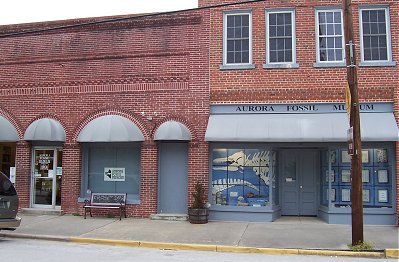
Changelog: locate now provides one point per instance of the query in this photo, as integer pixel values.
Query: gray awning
(298, 127)
(8, 132)
(45, 129)
(172, 130)
(110, 128)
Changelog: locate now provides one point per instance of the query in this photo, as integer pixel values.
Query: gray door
(172, 182)
(299, 185)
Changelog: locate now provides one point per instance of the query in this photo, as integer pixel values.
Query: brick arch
(105, 112)
(10, 117)
(194, 136)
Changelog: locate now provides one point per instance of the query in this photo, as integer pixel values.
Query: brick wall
(306, 83)
(150, 70)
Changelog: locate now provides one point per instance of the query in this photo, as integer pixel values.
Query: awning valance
(110, 128)
(8, 133)
(298, 127)
(45, 129)
(172, 130)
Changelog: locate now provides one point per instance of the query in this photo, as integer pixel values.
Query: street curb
(388, 253)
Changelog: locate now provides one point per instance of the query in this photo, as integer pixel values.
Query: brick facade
(149, 70)
(306, 83)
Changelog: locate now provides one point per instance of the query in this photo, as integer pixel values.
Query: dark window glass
(330, 36)
(374, 35)
(280, 37)
(237, 42)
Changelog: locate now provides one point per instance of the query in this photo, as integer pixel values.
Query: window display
(242, 177)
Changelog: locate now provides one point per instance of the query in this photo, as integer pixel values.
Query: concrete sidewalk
(285, 233)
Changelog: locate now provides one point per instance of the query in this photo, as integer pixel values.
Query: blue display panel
(241, 177)
(376, 178)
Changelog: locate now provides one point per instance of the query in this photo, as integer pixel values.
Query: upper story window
(280, 39)
(237, 40)
(329, 38)
(375, 36)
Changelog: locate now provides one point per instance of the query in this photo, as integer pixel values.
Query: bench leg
(85, 213)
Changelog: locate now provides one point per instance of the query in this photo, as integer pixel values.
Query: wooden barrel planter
(198, 215)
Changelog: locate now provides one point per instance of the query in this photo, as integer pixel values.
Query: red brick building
(248, 97)
(278, 77)
(85, 96)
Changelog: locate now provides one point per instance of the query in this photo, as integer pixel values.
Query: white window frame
(293, 63)
(226, 65)
(389, 61)
(340, 63)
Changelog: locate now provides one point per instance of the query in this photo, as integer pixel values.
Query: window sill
(234, 67)
(280, 66)
(324, 65)
(377, 63)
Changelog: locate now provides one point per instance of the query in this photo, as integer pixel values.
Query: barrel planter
(198, 215)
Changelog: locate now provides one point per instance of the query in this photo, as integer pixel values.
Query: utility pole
(356, 152)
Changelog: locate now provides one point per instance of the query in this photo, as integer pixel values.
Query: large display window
(242, 176)
(112, 168)
(376, 178)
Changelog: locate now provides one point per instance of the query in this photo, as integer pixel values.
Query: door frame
(32, 177)
(299, 177)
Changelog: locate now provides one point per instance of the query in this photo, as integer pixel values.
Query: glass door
(46, 177)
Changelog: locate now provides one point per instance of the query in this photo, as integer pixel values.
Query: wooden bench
(106, 201)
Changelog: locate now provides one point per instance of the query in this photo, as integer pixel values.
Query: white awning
(172, 130)
(298, 127)
(110, 128)
(45, 129)
(8, 133)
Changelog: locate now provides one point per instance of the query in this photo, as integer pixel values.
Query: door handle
(300, 187)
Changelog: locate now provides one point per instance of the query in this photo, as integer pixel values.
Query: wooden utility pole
(356, 171)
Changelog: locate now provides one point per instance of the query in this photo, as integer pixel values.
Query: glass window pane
(237, 57)
(245, 57)
(330, 42)
(322, 17)
(287, 18)
(230, 32)
(273, 56)
(381, 16)
(237, 44)
(273, 44)
(367, 54)
(366, 15)
(329, 17)
(288, 30)
(330, 29)
(383, 54)
(374, 28)
(237, 20)
(338, 42)
(366, 28)
(337, 17)
(245, 32)
(338, 29)
(323, 55)
(323, 43)
(288, 43)
(382, 41)
(288, 56)
(280, 56)
(245, 20)
(322, 30)
(367, 42)
(245, 45)
(273, 19)
(230, 57)
(280, 44)
(237, 32)
(381, 28)
(331, 55)
(280, 19)
(273, 31)
(230, 21)
(338, 54)
(280, 30)
(373, 15)
(375, 54)
(374, 41)
(230, 45)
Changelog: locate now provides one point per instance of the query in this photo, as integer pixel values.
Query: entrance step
(170, 217)
(42, 211)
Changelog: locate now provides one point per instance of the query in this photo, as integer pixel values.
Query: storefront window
(376, 177)
(113, 168)
(242, 177)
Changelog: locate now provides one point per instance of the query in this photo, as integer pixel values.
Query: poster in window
(383, 196)
(382, 176)
(346, 195)
(332, 175)
(365, 156)
(382, 156)
(366, 176)
(114, 174)
(332, 157)
(346, 176)
(366, 195)
(331, 195)
(345, 157)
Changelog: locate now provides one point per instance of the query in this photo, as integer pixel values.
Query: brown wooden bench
(106, 201)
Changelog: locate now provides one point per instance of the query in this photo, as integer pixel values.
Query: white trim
(334, 63)
(293, 63)
(230, 13)
(387, 62)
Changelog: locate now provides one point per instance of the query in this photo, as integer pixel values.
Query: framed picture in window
(345, 195)
(382, 176)
(332, 175)
(366, 195)
(331, 195)
(345, 157)
(345, 176)
(365, 156)
(382, 155)
(383, 196)
(366, 176)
